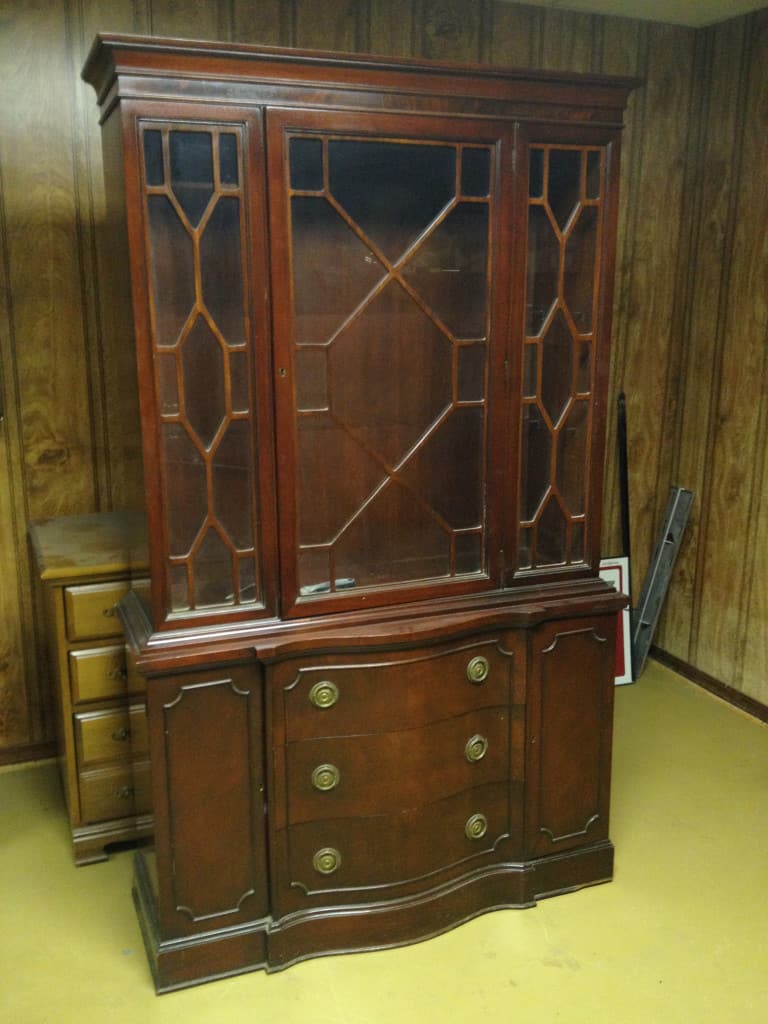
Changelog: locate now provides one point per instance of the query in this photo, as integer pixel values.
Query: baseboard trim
(727, 693)
(27, 752)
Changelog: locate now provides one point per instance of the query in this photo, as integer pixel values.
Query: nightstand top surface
(87, 545)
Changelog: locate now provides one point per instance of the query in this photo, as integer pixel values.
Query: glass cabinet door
(387, 343)
(195, 208)
(565, 220)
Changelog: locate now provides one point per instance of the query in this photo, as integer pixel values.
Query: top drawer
(347, 695)
(91, 609)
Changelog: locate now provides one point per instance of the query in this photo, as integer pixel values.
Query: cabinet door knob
(326, 777)
(476, 748)
(477, 669)
(327, 860)
(476, 826)
(324, 694)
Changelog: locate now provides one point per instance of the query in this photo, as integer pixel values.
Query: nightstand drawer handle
(120, 735)
(476, 826)
(477, 669)
(110, 613)
(326, 777)
(118, 673)
(324, 694)
(125, 793)
(476, 748)
(327, 860)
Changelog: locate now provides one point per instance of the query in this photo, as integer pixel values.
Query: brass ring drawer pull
(324, 694)
(476, 748)
(477, 669)
(119, 735)
(326, 777)
(476, 826)
(118, 673)
(125, 792)
(327, 860)
(110, 613)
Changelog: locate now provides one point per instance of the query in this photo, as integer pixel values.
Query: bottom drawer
(383, 851)
(120, 792)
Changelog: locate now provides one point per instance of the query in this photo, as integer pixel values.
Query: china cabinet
(371, 302)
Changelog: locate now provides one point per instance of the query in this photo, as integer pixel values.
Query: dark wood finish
(400, 730)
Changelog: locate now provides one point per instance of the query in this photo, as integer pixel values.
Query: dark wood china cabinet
(371, 306)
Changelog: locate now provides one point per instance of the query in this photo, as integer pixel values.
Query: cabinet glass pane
(564, 225)
(391, 190)
(192, 172)
(203, 390)
(390, 277)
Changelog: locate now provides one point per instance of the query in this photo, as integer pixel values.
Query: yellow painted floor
(681, 935)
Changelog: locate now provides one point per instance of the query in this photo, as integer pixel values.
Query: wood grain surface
(689, 314)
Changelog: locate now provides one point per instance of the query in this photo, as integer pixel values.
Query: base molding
(722, 690)
(273, 945)
(89, 841)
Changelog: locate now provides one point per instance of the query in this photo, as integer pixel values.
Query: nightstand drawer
(115, 792)
(91, 610)
(110, 735)
(100, 674)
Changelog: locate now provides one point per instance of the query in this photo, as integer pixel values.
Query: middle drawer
(369, 775)
(110, 735)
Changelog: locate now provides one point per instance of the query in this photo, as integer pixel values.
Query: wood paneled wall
(689, 339)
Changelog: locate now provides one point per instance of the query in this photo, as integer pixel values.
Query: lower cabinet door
(206, 742)
(570, 722)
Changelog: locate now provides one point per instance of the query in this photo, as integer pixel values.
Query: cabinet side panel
(570, 734)
(208, 799)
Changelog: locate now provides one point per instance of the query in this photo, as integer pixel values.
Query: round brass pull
(119, 735)
(326, 777)
(476, 748)
(324, 694)
(476, 826)
(327, 860)
(477, 669)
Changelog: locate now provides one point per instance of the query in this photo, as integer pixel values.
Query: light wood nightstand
(85, 565)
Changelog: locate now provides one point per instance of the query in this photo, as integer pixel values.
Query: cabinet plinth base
(273, 945)
(90, 842)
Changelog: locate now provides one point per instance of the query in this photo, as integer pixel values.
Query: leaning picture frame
(616, 571)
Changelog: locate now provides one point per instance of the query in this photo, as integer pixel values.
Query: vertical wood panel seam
(626, 261)
(86, 255)
(717, 369)
(753, 517)
(598, 41)
(17, 493)
(485, 32)
(702, 60)
(671, 420)
(363, 26)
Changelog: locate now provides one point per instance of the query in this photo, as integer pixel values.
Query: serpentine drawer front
(436, 758)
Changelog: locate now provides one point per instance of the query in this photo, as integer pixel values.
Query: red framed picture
(616, 571)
